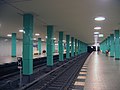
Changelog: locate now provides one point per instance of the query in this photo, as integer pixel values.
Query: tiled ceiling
(74, 17)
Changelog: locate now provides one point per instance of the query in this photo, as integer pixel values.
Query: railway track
(11, 80)
(43, 80)
(60, 78)
(9, 70)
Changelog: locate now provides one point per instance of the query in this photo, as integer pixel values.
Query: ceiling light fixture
(34, 39)
(96, 33)
(42, 40)
(9, 35)
(101, 35)
(56, 44)
(97, 28)
(56, 41)
(37, 34)
(21, 31)
(99, 18)
(64, 41)
(54, 38)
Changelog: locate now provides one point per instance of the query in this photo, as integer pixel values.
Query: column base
(27, 79)
(60, 63)
(48, 69)
(67, 59)
(72, 57)
(13, 56)
(117, 58)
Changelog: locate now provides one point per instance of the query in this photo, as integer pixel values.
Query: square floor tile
(81, 77)
(82, 72)
(79, 83)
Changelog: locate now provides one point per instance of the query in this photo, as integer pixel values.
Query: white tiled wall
(5, 47)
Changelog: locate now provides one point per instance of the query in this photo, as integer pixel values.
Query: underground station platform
(87, 71)
(59, 44)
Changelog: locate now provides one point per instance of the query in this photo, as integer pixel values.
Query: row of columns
(112, 43)
(77, 47)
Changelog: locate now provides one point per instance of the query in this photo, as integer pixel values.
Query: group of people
(106, 52)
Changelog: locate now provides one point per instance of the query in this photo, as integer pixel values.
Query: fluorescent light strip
(37, 34)
(101, 35)
(64, 41)
(99, 18)
(21, 31)
(96, 33)
(56, 44)
(97, 28)
(9, 35)
(54, 38)
(34, 39)
(42, 40)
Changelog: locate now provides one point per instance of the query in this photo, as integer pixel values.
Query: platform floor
(99, 73)
(9, 59)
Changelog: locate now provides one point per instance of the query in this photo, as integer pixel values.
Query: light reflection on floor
(103, 73)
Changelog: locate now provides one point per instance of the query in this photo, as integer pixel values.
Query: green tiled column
(117, 45)
(53, 46)
(72, 46)
(13, 51)
(82, 48)
(28, 44)
(108, 42)
(78, 46)
(67, 46)
(61, 46)
(75, 46)
(106, 46)
(39, 45)
(49, 45)
(112, 45)
(58, 47)
(85, 47)
(102, 46)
